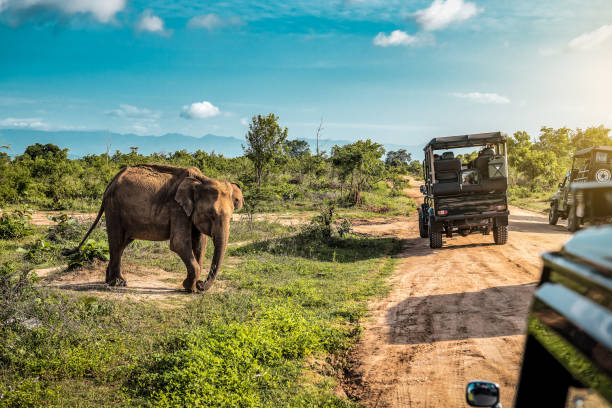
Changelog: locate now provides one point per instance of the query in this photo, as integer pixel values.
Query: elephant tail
(94, 225)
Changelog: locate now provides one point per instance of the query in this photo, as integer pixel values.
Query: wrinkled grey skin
(159, 203)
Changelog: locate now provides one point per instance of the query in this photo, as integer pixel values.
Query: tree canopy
(265, 142)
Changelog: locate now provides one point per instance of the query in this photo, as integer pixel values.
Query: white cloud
(130, 111)
(441, 13)
(151, 23)
(478, 97)
(24, 123)
(396, 38)
(102, 10)
(212, 22)
(591, 40)
(199, 110)
(244, 121)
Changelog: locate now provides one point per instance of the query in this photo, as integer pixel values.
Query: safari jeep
(465, 198)
(567, 360)
(589, 165)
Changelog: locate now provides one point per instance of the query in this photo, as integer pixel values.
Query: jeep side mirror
(482, 394)
(423, 190)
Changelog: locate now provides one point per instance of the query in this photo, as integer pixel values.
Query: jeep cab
(593, 164)
(465, 198)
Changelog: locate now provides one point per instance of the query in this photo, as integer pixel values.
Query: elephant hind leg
(117, 242)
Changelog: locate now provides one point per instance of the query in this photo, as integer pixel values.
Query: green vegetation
(15, 225)
(274, 329)
(537, 166)
(291, 297)
(276, 174)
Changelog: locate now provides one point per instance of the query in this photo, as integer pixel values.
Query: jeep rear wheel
(435, 238)
(422, 226)
(500, 234)
(553, 215)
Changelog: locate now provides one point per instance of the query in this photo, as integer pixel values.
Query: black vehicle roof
(454, 142)
(588, 150)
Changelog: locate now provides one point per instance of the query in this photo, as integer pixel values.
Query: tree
(360, 164)
(265, 141)
(398, 158)
(556, 141)
(40, 150)
(297, 149)
(592, 136)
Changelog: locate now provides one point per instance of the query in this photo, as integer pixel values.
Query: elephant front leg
(185, 251)
(198, 245)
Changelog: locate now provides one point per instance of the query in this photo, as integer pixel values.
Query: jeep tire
(422, 226)
(435, 238)
(500, 234)
(553, 215)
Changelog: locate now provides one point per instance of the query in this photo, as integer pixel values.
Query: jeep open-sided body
(593, 164)
(465, 198)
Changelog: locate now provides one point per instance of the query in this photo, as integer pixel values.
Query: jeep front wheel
(500, 234)
(553, 215)
(435, 238)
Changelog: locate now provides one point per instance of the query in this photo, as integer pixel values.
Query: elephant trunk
(220, 238)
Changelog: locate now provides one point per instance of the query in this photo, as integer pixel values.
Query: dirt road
(454, 314)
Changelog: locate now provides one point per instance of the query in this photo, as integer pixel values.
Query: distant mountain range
(81, 143)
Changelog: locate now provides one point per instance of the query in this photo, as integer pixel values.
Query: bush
(40, 251)
(15, 225)
(89, 252)
(66, 228)
(17, 294)
(228, 364)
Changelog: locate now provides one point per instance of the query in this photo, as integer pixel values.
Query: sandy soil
(144, 284)
(454, 314)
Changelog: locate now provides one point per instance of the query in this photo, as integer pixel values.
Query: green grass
(530, 200)
(288, 298)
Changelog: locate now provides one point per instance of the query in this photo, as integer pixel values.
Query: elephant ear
(185, 194)
(237, 196)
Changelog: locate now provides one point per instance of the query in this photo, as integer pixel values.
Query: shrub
(16, 225)
(89, 252)
(228, 364)
(66, 228)
(40, 251)
(17, 293)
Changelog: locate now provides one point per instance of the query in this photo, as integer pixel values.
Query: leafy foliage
(398, 158)
(359, 164)
(265, 141)
(539, 164)
(15, 225)
(90, 251)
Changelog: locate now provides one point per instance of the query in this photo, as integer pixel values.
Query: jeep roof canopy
(455, 142)
(586, 152)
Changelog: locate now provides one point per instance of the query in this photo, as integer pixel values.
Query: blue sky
(394, 71)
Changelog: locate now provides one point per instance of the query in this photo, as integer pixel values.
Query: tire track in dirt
(454, 314)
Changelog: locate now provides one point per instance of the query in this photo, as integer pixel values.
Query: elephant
(158, 203)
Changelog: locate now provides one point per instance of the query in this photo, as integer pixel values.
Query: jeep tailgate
(471, 204)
